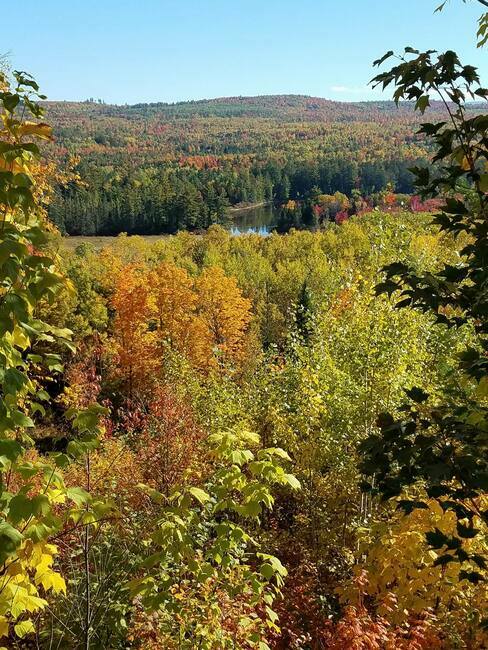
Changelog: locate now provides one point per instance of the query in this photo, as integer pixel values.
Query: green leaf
(292, 481)
(53, 362)
(251, 509)
(87, 419)
(200, 495)
(483, 183)
(10, 101)
(77, 448)
(241, 456)
(14, 381)
(10, 539)
(386, 56)
(275, 451)
(78, 495)
(61, 460)
(10, 448)
(274, 562)
(266, 570)
(422, 103)
(21, 419)
(27, 470)
(22, 507)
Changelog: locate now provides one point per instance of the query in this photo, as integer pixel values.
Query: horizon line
(99, 101)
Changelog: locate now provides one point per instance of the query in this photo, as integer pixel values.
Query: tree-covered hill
(155, 168)
(158, 168)
(280, 107)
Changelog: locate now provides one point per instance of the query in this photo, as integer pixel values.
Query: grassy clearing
(99, 242)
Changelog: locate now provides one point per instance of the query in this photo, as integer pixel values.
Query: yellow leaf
(56, 496)
(482, 389)
(40, 130)
(23, 628)
(54, 581)
(3, 626)
(10, 166)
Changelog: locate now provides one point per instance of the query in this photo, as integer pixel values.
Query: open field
(100, 242)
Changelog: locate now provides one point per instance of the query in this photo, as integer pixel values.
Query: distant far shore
(239, 207)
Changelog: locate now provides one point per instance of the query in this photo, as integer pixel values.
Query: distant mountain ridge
(153, 168)
(277, 107)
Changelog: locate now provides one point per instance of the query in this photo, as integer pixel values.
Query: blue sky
(128, 51)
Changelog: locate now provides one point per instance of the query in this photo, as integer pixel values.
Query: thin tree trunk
(86, 557)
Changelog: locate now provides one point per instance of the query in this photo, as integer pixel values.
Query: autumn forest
(215, 441)
(152, 169)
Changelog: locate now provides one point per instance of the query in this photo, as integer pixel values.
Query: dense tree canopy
(159, 168)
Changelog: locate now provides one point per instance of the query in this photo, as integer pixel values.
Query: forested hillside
(158, 168)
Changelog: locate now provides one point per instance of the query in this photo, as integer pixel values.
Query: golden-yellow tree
(174, 302)
(225, 315)
(399, 564)
(134, 342)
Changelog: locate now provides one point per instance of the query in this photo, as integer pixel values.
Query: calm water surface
(260, 220)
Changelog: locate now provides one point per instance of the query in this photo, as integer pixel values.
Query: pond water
(260, 219)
